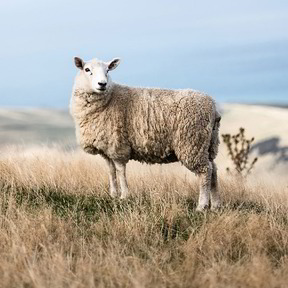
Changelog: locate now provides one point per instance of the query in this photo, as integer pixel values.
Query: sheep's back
(158, 121)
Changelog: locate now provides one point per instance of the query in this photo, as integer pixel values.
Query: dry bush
(60, 228)
(238, 150)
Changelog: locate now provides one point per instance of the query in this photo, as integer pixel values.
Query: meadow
(60, 227)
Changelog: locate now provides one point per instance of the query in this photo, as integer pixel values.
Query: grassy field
(60, 228)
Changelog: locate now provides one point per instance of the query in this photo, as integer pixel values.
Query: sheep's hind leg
(205, 189)
(215, 197)
(112, 177)
(121, 173)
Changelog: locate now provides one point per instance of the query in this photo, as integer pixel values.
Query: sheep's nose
(102, 84)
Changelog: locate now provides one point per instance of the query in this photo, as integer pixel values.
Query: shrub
(238, 150)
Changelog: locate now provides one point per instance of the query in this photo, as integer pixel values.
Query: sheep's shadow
(272, 146)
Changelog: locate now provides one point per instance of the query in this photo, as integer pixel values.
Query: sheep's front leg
(121, 173)
(112, 177)
(205, 189)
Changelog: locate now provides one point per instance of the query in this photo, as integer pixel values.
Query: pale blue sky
(237, 51)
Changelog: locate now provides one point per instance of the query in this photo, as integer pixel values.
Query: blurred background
(236, 51)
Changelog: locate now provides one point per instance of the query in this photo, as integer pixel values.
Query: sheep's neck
(91, 102)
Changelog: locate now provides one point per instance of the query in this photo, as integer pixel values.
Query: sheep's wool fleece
(148, 124)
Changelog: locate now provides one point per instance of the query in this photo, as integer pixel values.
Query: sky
(236, 51)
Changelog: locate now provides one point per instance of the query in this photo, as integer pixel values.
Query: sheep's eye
(87, 69)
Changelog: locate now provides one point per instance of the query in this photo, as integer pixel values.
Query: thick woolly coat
(148, 124)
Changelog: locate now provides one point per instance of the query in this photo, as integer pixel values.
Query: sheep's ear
(113, 64)
(79, 62)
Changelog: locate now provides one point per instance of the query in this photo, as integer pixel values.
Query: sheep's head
(94, 73)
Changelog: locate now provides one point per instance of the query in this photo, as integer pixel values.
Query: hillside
(267, 124)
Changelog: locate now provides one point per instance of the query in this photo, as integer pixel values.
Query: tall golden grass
(60, 228)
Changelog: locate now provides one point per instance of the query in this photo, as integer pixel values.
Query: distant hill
(268, 125)
(27, 126)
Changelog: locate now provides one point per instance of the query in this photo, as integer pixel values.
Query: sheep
(149, 125)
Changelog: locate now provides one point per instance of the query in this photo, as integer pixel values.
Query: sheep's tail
(213, 149)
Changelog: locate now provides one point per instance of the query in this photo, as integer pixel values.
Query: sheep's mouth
(101, 89)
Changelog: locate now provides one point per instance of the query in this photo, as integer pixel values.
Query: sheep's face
(95, 73)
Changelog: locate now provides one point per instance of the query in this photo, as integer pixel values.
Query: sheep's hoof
(202, 208)
(124, 196)
(216, 206)
(113, 194)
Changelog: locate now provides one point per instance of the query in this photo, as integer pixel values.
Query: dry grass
(60, 228)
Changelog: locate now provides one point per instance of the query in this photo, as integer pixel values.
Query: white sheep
(146, 124)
